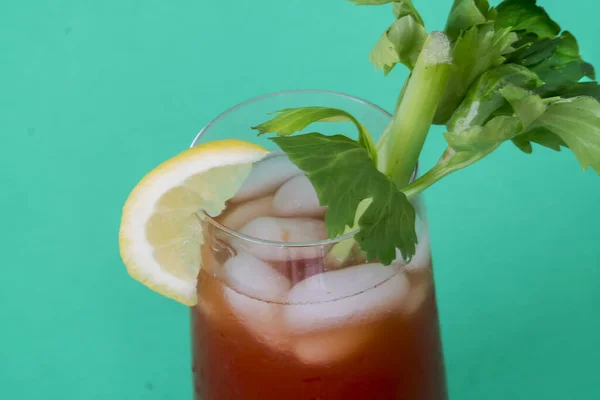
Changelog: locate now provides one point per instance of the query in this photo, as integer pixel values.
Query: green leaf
(402, 8)
(530, 50)
(465, 14)
(523, 144)
(343, 175)
(591, 89)
(563, 68)
(556, 61)
(526, 16)
(479, 49)
(528, 107)
(541, 137)
(484, 140)
(466, 148)
(402, 41)
(574, 123)
(577, 122)
(291, 120)
(475, 143)
(484, 98)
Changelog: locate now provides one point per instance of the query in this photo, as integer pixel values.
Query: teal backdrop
(93, 94)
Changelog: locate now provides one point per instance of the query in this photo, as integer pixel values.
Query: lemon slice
(160, 236)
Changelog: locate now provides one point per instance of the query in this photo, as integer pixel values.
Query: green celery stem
(414, 116)
(432, 176)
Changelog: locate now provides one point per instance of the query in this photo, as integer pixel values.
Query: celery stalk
(402, 141)
(413, 118)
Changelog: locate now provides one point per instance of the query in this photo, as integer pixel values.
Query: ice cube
(262, 319)
(331, 346)
(351, 295)
(297, 198)
(266, 176)
(289, 230)
(297, 270)
(240, 214)
(248, 275)
(417, 296)
(421, 286)
(251, 280)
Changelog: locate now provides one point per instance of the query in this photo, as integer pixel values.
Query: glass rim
(239, 235)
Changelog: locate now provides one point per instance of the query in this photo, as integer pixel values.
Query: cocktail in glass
(280, 316)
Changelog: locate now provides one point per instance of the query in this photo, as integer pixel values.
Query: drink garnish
(494, 75)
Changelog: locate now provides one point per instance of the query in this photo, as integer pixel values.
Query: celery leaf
(402, 41)
(343, 175)
(575, 121)
(477, 50)
(291, 120)
(526, 16)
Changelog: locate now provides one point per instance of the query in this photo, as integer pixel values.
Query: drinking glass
(278, 318)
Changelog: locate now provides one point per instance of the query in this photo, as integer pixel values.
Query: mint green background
(95, 93)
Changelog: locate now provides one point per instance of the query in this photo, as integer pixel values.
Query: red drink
(272, 325)
(399, 358)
